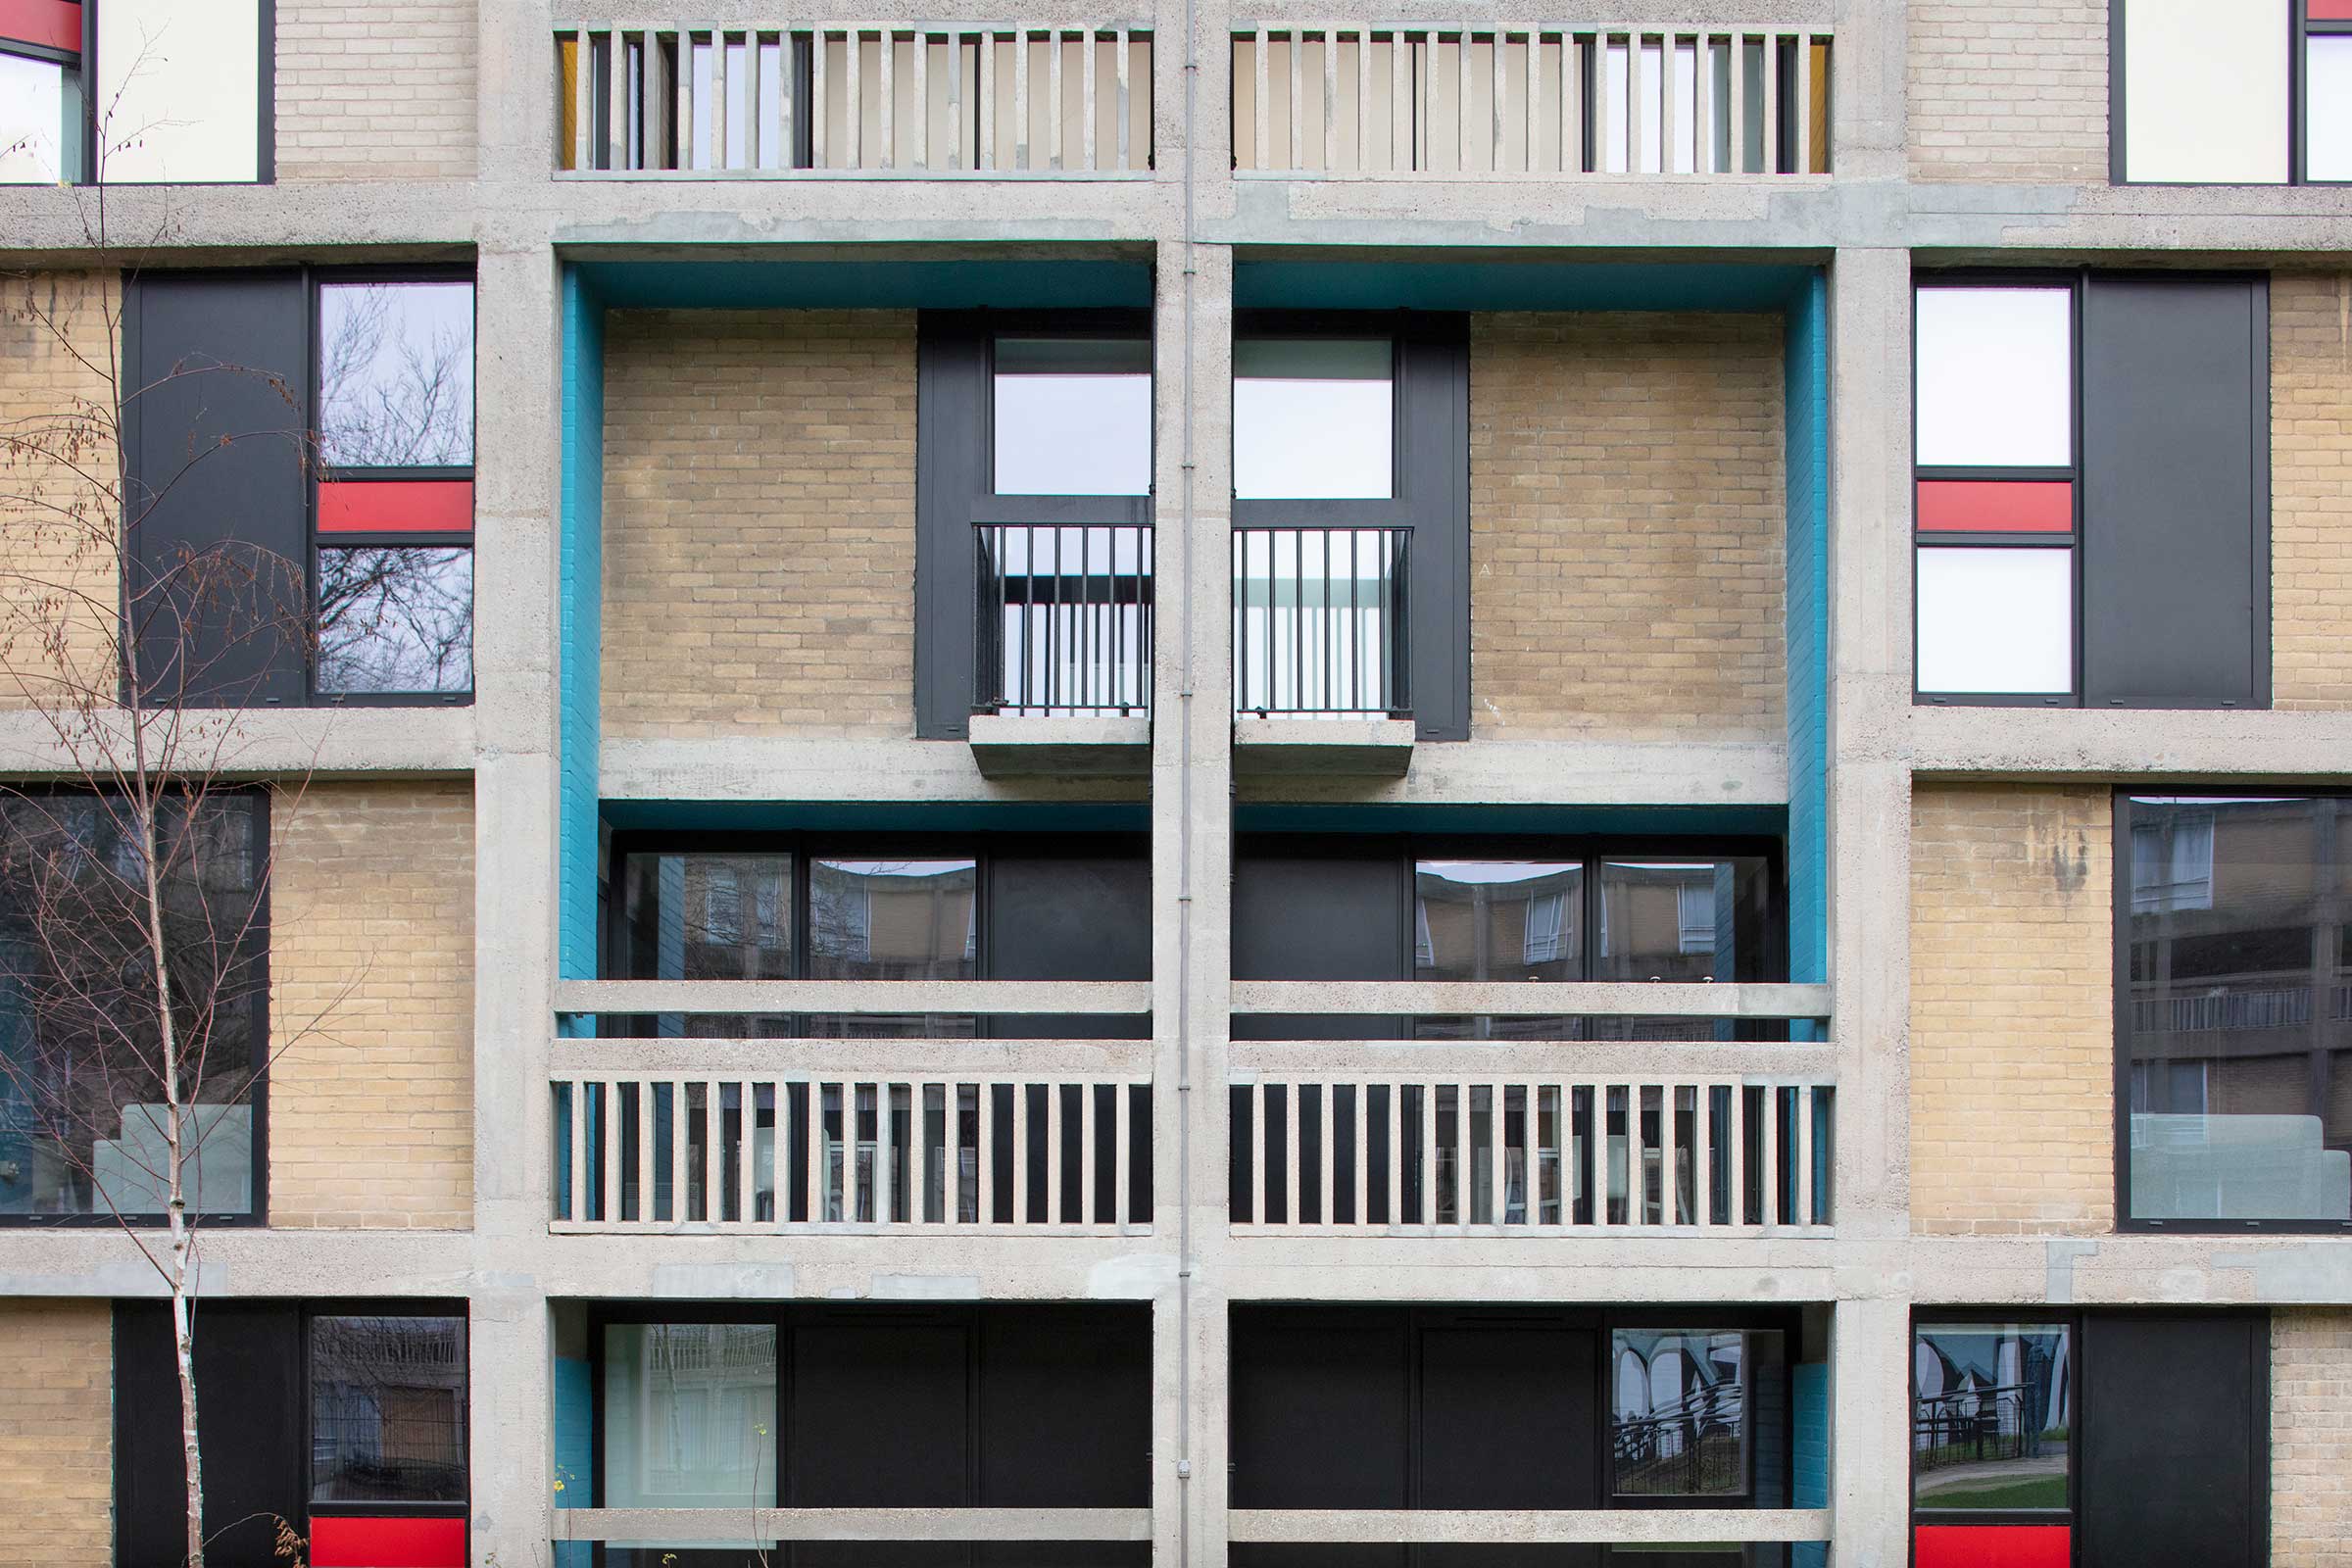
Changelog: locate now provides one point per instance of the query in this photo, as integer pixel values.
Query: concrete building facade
(1220, 785)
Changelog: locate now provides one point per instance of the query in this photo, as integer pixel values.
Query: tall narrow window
(1995, 526)
(1993, 1441)
(387, 1410)
(2326, 90)
(394, 514)
(41, 124)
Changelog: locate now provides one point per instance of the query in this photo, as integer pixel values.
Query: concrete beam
(1530, 999)
(2099, 745)
(768, 769)
(1600, 772)
(687, 1526)
(740, 996)
(1525, 1527)
(257, 742)
(1484, 1060)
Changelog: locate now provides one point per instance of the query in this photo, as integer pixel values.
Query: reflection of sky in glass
(2327, 108)
(32, 115)
(1313, 419)
(1073, 435)
(1995, 620)
(1495, 871)
(1992, 1415)
(395, 619)
(396, 374)
(1995, 376)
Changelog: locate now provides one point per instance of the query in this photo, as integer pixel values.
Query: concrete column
(1868, 71)
(516, 478)
(1870, 1433)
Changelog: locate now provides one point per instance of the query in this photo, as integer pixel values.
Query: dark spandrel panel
(387, 1409)
(83, 1117)
(880, 1414)
(1296, 1380)
(2177, 1416)
(2237, 1025)
(395, 619)
(1532, 1381)
(1992, 1422)
(1065, 1411)
(396, 374)
(1681, 1412)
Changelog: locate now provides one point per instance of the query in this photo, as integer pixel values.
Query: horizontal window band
(43, 24)
(351, 1542)
(1995, 506)
(396, 506)
(1993, 1546)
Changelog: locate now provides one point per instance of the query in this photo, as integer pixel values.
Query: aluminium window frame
(256, 1095)
(315, 282)
(2076, 282)
(2124, 1221)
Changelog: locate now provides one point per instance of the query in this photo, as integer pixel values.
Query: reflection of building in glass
(389, 1408)
(1992, 1413)
(1679, 1413)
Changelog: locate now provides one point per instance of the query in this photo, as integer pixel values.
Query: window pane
(396, 374)
(690, 1416)
(1498, 920)
(395, 619)
(2240, 1030)
(1073, 416)
(1996, 620)
(708, 917)
(40, 114)
(2328, 107)
(1679, 1413)
(893, 920)
(1681, 919)
(387, 1409)
(1995, 376)
(83, 1116)
(1313, 419)
(1992, 1415)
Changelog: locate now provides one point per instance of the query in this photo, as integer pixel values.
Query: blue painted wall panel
(581, 588)
(1810, 1428)
(574, 1483)
(1807, 422)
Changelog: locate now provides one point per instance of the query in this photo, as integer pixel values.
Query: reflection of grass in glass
(2023, 1492)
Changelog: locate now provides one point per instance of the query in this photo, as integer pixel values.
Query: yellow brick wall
(2012, 1009)
(759, 522)
(56, 1484)
(57, 530)
(1627, 524)
(2311, 489)
(372, 1001)
(2009, 90)
(2311, 1437)
(374, 92)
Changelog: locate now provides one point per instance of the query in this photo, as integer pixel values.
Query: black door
(2175, 1458)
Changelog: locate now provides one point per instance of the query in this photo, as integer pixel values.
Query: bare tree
(134, 885)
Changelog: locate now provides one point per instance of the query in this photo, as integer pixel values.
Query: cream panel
(2205, 87)
(179, 90)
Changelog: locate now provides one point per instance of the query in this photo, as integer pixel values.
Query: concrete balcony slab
(1380, 748)
(1014, 746)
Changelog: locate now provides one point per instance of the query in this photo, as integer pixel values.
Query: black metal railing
(1320, 621)
(1063, 623)
(1973, 1426)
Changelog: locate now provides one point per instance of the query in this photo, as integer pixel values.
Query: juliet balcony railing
(1063, 623)
(674, 1133)
(1525, 1138)
(1560, 101)
(1320, 623)
(1013, 100)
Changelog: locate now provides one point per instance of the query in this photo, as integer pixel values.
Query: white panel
(177, 91)
(1312, 418)
(1073, 435)
(33, 110)
(1995, 376)
(2328, 109)
(1996, 620)
(2205, 84)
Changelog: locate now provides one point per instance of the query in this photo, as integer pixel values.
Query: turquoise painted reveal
(1491, 285)
(576, 1451)
(1036, 285)
(582, 630)
(1810, 1488)
(1807, 422)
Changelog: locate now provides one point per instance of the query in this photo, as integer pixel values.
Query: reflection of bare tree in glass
(388, 1417)
(395, 391)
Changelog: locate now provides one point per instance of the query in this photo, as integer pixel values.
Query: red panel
(396, 506)
(1993, 1546)
(50, 23)
(2332, 9)
(343, 1542)
(1997, 506)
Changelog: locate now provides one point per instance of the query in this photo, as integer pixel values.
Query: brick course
(55, 329)
(56, 1484)
(2009, 90)
(1626, 525)
(2012, 1009)
(2311, 1435)
(2311, 490)
(370, 91)
(759, 522)
(371, 965)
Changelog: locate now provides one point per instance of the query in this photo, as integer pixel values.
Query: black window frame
(2080, 281)
(317, 280)
(398, 1307)
(2124, 1220)
(955, 487)
(1429, 490)
(257, 1094)
(2300, 28)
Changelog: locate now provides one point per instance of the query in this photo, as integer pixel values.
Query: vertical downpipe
(1184, 852)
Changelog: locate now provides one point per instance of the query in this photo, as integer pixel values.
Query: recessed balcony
(1322, 650)
(1062, 655)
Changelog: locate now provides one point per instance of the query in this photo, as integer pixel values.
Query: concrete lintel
(739, 996)
(259, 743)
(2100, 744)
(1524, 999)
(1441, 1525)
(1488, 771)
(689, 1525)
(1613, 1060)
(1010, 746)
(1381, 747)
(99, 1260)
(768, 768)
(849, 1059)
(1753, 1271)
